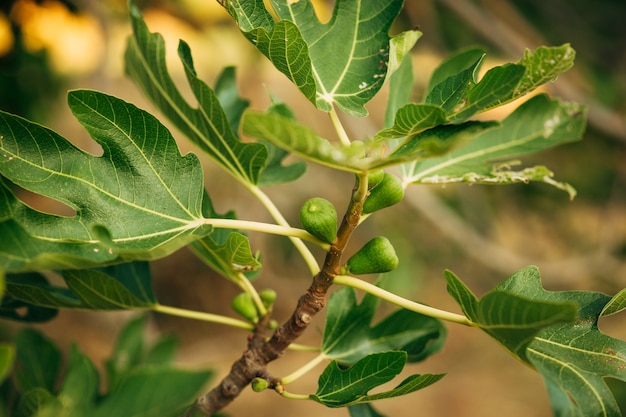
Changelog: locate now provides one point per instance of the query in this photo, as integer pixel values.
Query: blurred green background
(481, 233)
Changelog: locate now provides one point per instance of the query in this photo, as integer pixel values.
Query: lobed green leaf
(538, 124)
(574, 358)
(438, 140)
(543, 65)
(299, 44)
(229, 258)
(141, 199)
(350, 336)
(343, 387)
(497, 84)
(454, 86)
(137, 387)
(568, 349)
(275, 171)
(304, 142)
(208, 126)
(412, 119)
(226, 251)
(512, 319)
(453, 78)
(120, 287)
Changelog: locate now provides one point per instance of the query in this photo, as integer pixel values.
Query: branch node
(304, 318)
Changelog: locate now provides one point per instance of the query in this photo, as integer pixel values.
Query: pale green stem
(274, 229)
(303, 370)
(245, 284)
(228, 321)
(269, 205)
(198, 315)
(400, 301)
(361, 193)
(341, 132)
(293, 396)
(303, 348)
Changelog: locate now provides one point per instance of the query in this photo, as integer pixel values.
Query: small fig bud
(385, 194)
(268, 296)
(259, 384)
(376, 256)
(319, 217)
(244, 305)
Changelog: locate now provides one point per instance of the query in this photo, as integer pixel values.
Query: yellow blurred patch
(74, 42)
(6, 35)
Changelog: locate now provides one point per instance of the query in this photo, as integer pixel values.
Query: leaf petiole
(302, 370)
(292, 396)
(247, 286)
(199, 315)
(274, 229)
(341, 132)
(349, 281)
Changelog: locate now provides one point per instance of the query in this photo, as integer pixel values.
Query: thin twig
(260, 351)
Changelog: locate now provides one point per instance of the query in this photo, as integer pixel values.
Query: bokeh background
(481, 233)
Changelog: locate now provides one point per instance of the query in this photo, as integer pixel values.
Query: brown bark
(260, 352)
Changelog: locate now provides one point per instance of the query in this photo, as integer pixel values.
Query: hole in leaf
(613, 325)
(22, 311)
(42, 203)
(618, 388)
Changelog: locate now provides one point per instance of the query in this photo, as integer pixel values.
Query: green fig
(244, 305)
(387, 193)
(319, 217)
(259, 384)
(376, 256)
(374, 178)
(268, 296)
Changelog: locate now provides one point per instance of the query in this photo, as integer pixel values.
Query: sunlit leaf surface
(141, 199)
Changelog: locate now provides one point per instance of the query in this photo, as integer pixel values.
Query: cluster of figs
(319, 217)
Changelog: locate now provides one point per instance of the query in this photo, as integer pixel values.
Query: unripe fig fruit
(374, 178)
(376, 256)
(243, 304)
(268, 296)
(319, 218)
(385, 194)
(259, 384)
